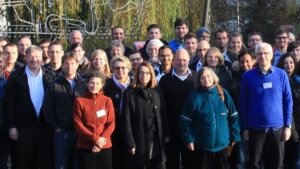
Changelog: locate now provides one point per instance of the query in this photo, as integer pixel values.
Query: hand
(246, 135)
(96, 149)
(132, 151)
(167, 139)
(286, 134)
(232, 144)
(13, 134)
(101, 142)
(191, 146)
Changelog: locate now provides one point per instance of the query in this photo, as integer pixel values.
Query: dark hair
(189, 35)
(75, 45)
(293, 45)
(235, 34)
(152, 83)
(44, 41)
(164, 47)
(69, 56)
(4, 39)
(281, 31)
(93, 74)
(24, 36)
(245, 52)
(116, 27)
(153, 26)
(10, 45)
(254, 33)
(180, 22)
(221, 30)
(282, 58)
(56, 43)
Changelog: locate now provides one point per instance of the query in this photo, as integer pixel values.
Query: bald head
(202, 48)
(181, 62)
(75, 37)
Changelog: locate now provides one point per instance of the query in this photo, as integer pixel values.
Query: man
(254, 39)
(23, 43)
(75, 37)
(152, 51)
(190, 44)
(181, 29)
(176, 86)
(266, 110)
(58, 107)
(222, 39)
(10, 59)
(44, 45)
(154, 32)
(135, 60)
(165, 56)
(202, 48)
(23, 107)
(118, 33)
(281, 44)
(55, 53)
(3, 42)
(203, 33)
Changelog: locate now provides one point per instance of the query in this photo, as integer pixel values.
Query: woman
(288, 63)
(94, 121)
(99, 63)
(114, 88)
(215, 60)
(294, 50)
(209, 122)
(144, 121)
(77, 49)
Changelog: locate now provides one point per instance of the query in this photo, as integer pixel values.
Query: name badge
(267, 85)
(101, 113)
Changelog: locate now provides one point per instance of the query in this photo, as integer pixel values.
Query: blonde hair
(98, 52)
(215, 78)
(120, 59)
(152, 83)
(214, 51)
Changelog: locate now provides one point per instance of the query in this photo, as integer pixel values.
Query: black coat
(136, 110)
(18, 106)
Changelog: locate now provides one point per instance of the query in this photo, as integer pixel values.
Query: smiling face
(181, 31)
(95, 85)
(34, 60)
(144, 76)
(236, 44)
(212, 59)
(246, 62)
(120, 70)
(166, 57)
(289, 65)
(206, 79)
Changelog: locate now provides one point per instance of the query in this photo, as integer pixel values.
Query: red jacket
(94, 117)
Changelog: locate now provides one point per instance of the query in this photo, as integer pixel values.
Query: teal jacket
(208, 121)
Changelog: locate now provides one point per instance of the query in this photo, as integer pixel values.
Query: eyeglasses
(282, 37)
(118, 68)
(135, 59)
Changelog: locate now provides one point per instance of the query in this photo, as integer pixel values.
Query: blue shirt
(175, 45)
(265, 99)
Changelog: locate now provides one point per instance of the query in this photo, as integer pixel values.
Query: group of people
(164, 105)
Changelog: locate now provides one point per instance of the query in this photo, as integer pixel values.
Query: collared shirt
(182, 78)
(199, 65)
(277, 55)
(36, 88)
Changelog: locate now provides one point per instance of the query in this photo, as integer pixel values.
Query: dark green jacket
(207, 121)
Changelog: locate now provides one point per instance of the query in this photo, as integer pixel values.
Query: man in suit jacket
(23, 107)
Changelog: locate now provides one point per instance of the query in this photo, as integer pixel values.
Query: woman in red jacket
(94, 122)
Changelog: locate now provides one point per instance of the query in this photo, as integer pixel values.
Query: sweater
(93, 117)
(265, 100)
(208, 121)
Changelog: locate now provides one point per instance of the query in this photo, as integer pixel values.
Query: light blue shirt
(36, 88)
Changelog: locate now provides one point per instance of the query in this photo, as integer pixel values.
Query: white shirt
(182, 78)
(36, 88)
(199, 65)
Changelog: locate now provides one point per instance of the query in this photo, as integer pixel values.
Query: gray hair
(32, 48)
(117, 43)
(156, 42)
(263, 45)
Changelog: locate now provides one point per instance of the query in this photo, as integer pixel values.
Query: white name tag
(101, 113)
(267, 85)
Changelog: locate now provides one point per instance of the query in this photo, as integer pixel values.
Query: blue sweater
(209, 122)
(265, 100)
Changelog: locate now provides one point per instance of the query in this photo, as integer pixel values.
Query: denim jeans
(243, 155)
(66, 156)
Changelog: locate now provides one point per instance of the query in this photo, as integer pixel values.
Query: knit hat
(201, 30)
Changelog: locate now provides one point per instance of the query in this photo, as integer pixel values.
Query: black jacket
(18, 106)
(135, 120)
(58, 102)
(225, 76)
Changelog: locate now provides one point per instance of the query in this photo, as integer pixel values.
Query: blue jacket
(208, 121)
